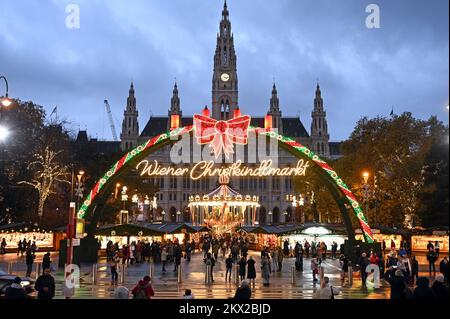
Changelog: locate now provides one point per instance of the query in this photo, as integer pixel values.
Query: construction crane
(111, 121)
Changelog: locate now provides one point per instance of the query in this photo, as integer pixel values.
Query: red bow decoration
(221, 135)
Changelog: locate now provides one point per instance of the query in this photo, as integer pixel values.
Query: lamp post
(270, 217)
(6, 101)
(301, 203)
(124, 198)
(80, 189)
(135, 201)
(365, 176)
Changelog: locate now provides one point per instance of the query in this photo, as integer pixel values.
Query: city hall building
(273, 193)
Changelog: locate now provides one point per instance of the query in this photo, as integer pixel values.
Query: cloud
(362, 72)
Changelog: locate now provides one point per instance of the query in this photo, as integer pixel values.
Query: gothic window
(318, 147)
(225, 56)
(320, 124)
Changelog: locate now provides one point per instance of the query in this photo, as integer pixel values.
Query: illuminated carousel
(223, 209)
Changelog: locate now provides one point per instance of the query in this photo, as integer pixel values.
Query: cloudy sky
(362, 72)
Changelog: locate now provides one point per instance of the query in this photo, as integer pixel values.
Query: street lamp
(6, 101)
(366, 190)
(270, 217)
(79, 190)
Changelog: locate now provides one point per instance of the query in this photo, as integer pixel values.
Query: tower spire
(225, 79)
(319, 126)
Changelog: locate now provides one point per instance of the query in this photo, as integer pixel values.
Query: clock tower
(225, 80)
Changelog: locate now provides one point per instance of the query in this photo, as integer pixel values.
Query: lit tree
(47, 173)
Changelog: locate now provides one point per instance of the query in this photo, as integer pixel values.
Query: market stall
(421, 238)
(44, 238)
(127, 233)
(387, 234)
(327, 233)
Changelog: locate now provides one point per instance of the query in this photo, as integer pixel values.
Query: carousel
(224, 209)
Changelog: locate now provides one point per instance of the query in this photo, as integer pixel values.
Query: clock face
(225, 77)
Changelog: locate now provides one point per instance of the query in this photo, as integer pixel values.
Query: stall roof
(23, 227)
(174, 228)
(299, 228)
(128, 230)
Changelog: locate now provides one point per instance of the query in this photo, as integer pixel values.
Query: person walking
(16, 291)
(188, 250)
(29, 260)
(363, 263)
(432, 257)
(265, 269)
(242, 268)
(244, 292)
(113, 268)
(164, 257)
(235, 252)
(307, 246)
(45, 285)
(143, 289)
(274, 259)
(177, 256)
(280, 259)
(46, 262)
(326, 291)
(210, 261)
(344, 267)
(251, 270)
(19, 247)
(315, 268)
(334, 247)
(229, 268)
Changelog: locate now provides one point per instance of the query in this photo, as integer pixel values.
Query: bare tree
(47, 173)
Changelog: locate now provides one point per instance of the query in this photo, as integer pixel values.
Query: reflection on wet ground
(166, 284)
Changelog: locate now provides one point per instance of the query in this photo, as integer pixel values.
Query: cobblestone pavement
(166, 284)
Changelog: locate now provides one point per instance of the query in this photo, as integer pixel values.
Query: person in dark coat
(45, 285)
(398, 283)
(432, 257)
(443, 269)
(423, 290)
(363, 263)
(16, 291)
(177, 253)
(242, 264)
(29, 260)
(46, 262)
(414, 269)
(243, 292)
(439, 288)
(251, 270)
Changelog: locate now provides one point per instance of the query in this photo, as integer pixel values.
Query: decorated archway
(340, 191)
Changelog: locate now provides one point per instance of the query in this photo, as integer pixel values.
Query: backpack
(140, 294)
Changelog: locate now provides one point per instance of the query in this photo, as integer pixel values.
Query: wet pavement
(166, 284)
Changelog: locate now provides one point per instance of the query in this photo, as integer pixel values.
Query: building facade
(174, 192)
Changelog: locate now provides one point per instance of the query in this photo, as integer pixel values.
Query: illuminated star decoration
(221, 135)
